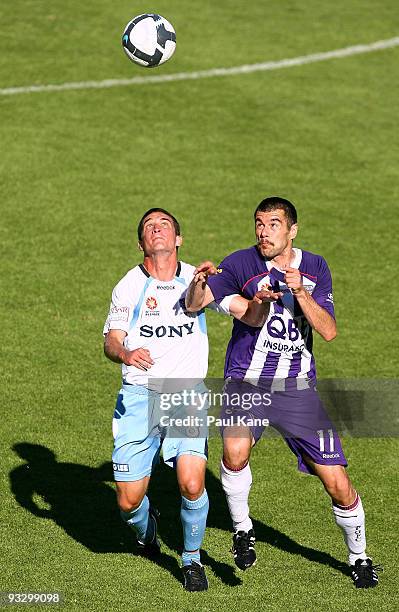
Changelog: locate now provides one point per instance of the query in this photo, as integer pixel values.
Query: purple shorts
(298, 414)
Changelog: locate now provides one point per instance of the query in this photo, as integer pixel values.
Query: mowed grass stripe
(378, 45)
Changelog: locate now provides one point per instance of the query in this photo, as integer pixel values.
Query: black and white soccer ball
(149, 40)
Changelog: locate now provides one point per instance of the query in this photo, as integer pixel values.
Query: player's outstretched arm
(115, 351)
(316, 315)
(198, 293)
(253, 312)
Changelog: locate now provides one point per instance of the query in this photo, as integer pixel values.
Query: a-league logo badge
(151, 303)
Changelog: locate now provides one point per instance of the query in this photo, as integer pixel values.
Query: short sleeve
(225, 282)
(224, 305)
(120, 309)
(323, 293)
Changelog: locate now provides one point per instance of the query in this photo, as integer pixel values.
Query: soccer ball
(149, 40)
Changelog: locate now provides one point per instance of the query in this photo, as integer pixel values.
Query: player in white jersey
(278, 358)
(149, 332)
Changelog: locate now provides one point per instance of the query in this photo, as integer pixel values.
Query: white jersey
(153, 315)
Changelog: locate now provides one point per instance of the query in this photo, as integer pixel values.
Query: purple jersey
(282, 348)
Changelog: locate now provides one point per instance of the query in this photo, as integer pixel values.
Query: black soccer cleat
(364, 574)
(151, 550)
(243, 549)
(194, 577)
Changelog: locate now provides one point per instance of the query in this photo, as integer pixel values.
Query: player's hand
(293, 280)
(205, 269)
(139, 358)
(267, 295)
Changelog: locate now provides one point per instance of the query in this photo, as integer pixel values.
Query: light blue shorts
(139, 436)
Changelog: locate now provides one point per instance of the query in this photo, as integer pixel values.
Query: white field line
(378, 45)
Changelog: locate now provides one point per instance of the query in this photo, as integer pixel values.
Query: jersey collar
(148, 275)
(295, 264)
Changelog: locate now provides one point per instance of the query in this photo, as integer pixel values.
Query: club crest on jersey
(264, 283)
(151, 303)
(309, 286)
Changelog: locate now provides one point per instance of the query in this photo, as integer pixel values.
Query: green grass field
(77, 169)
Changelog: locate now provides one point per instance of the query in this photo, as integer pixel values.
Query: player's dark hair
(277, 203)
(161, 210)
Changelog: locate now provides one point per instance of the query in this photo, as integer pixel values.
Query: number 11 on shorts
(320, 433)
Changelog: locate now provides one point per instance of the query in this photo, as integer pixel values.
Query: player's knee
(235, 458)
(192, 488)
(128, 502)
(339, 488)
(344, 494)
(332, 489)
(234, 463)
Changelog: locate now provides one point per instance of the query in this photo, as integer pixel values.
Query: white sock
(236, 485)
(351, 520)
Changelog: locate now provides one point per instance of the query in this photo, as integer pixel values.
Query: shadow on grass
(79, 499)
(219, 518)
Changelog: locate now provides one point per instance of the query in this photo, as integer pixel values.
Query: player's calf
(143, 521)
(151, 548)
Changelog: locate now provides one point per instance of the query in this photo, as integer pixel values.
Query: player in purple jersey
(277, 358)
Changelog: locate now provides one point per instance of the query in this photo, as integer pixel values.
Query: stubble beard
(269, 251)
